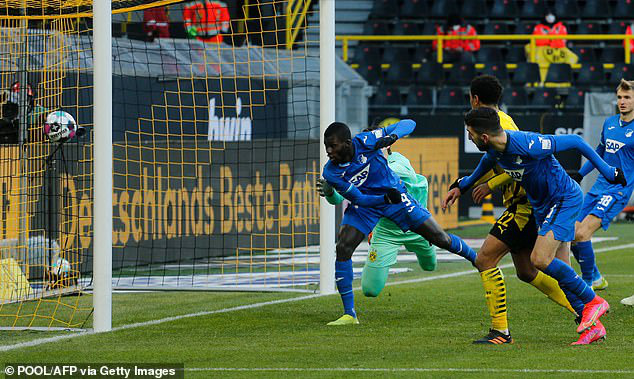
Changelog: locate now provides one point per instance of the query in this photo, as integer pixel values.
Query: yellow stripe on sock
(550, 288)
(495, 295)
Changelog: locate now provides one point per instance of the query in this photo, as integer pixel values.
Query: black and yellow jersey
(512, 192)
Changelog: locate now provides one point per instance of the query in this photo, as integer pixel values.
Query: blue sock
(460, 247)
(575, 302)
(569, 280)
(343, 277)
(596, 275)
(584, 254)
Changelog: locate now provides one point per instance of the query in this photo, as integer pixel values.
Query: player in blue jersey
(556, 199)
(358, 170)
(604, 200)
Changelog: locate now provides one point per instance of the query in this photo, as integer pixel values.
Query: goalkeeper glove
(619, 177)
(324, 189)
(385, 141)
(393, 196)
(577, 177)
(192, 32)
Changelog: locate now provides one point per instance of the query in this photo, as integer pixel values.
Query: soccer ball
(60, 126)
(60, 267)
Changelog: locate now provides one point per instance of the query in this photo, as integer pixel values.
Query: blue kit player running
(358, 170)
(605, 201)
(555, 197)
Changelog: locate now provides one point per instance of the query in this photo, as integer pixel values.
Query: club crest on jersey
(362, 159)
(546, 144)
(360, 178)
(628, 133)
(378, 133)
(516, 175)
(612, 146)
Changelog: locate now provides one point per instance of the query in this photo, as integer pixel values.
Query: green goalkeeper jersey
(416, 185)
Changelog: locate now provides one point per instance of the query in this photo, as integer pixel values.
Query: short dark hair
(488, 89)
(339, 130)
(483, 120)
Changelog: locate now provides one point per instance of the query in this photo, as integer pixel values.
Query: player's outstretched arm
(462, 185)
(393, 132)
(588, 166)
(352, 193)
(326, 190)
(567, 142)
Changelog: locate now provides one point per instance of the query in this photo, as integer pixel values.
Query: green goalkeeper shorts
(384, 249)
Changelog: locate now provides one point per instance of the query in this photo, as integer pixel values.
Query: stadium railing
(498, 37)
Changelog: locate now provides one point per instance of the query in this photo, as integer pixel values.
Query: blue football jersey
(617, 149)
(368, 171)
(529, 159)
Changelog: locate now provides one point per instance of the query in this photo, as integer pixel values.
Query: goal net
(216, 151)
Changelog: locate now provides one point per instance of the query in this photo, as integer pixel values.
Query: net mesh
(45, 186)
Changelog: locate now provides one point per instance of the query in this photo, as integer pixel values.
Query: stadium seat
(588, 28)
(489, 55)
(623, 10)
(526, 74)
(406, 28)
(420, 97)
(461, 74)
(430, 73)
(498, 70)
(515, 98)
(393, 54)
(543, 98)
(622, 71)
(617, 27)
(566, 9)
(504, 9)
(525, 27)
(422, 53)
(495, 28)
(585, 54)
(558, 74)
(515, 54)
(400, 72)
(591, 75)
(575, 99)
(443, 8)
(475, 10)
(377, 28)
(451, 97)
(596, 9)
(370, 72)
(533, 9)
(414, 9)
(389, 96)
(367, 54)
(613, 55)
(384, 9)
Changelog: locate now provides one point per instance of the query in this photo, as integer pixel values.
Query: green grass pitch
(415, 329)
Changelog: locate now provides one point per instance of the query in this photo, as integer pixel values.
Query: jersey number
(605, 200)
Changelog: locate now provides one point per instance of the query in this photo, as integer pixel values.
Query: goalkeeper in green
(387, 237)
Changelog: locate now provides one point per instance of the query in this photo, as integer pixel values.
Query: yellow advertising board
(436, 159)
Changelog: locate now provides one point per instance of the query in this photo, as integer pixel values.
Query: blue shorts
(560, 216)
(605, 206)
(407, 215)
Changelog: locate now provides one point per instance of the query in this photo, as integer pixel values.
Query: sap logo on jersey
(612, 146)
(516, 175)
(360, 177)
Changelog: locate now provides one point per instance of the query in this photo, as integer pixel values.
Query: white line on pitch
(412, 369)
(42, 341)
